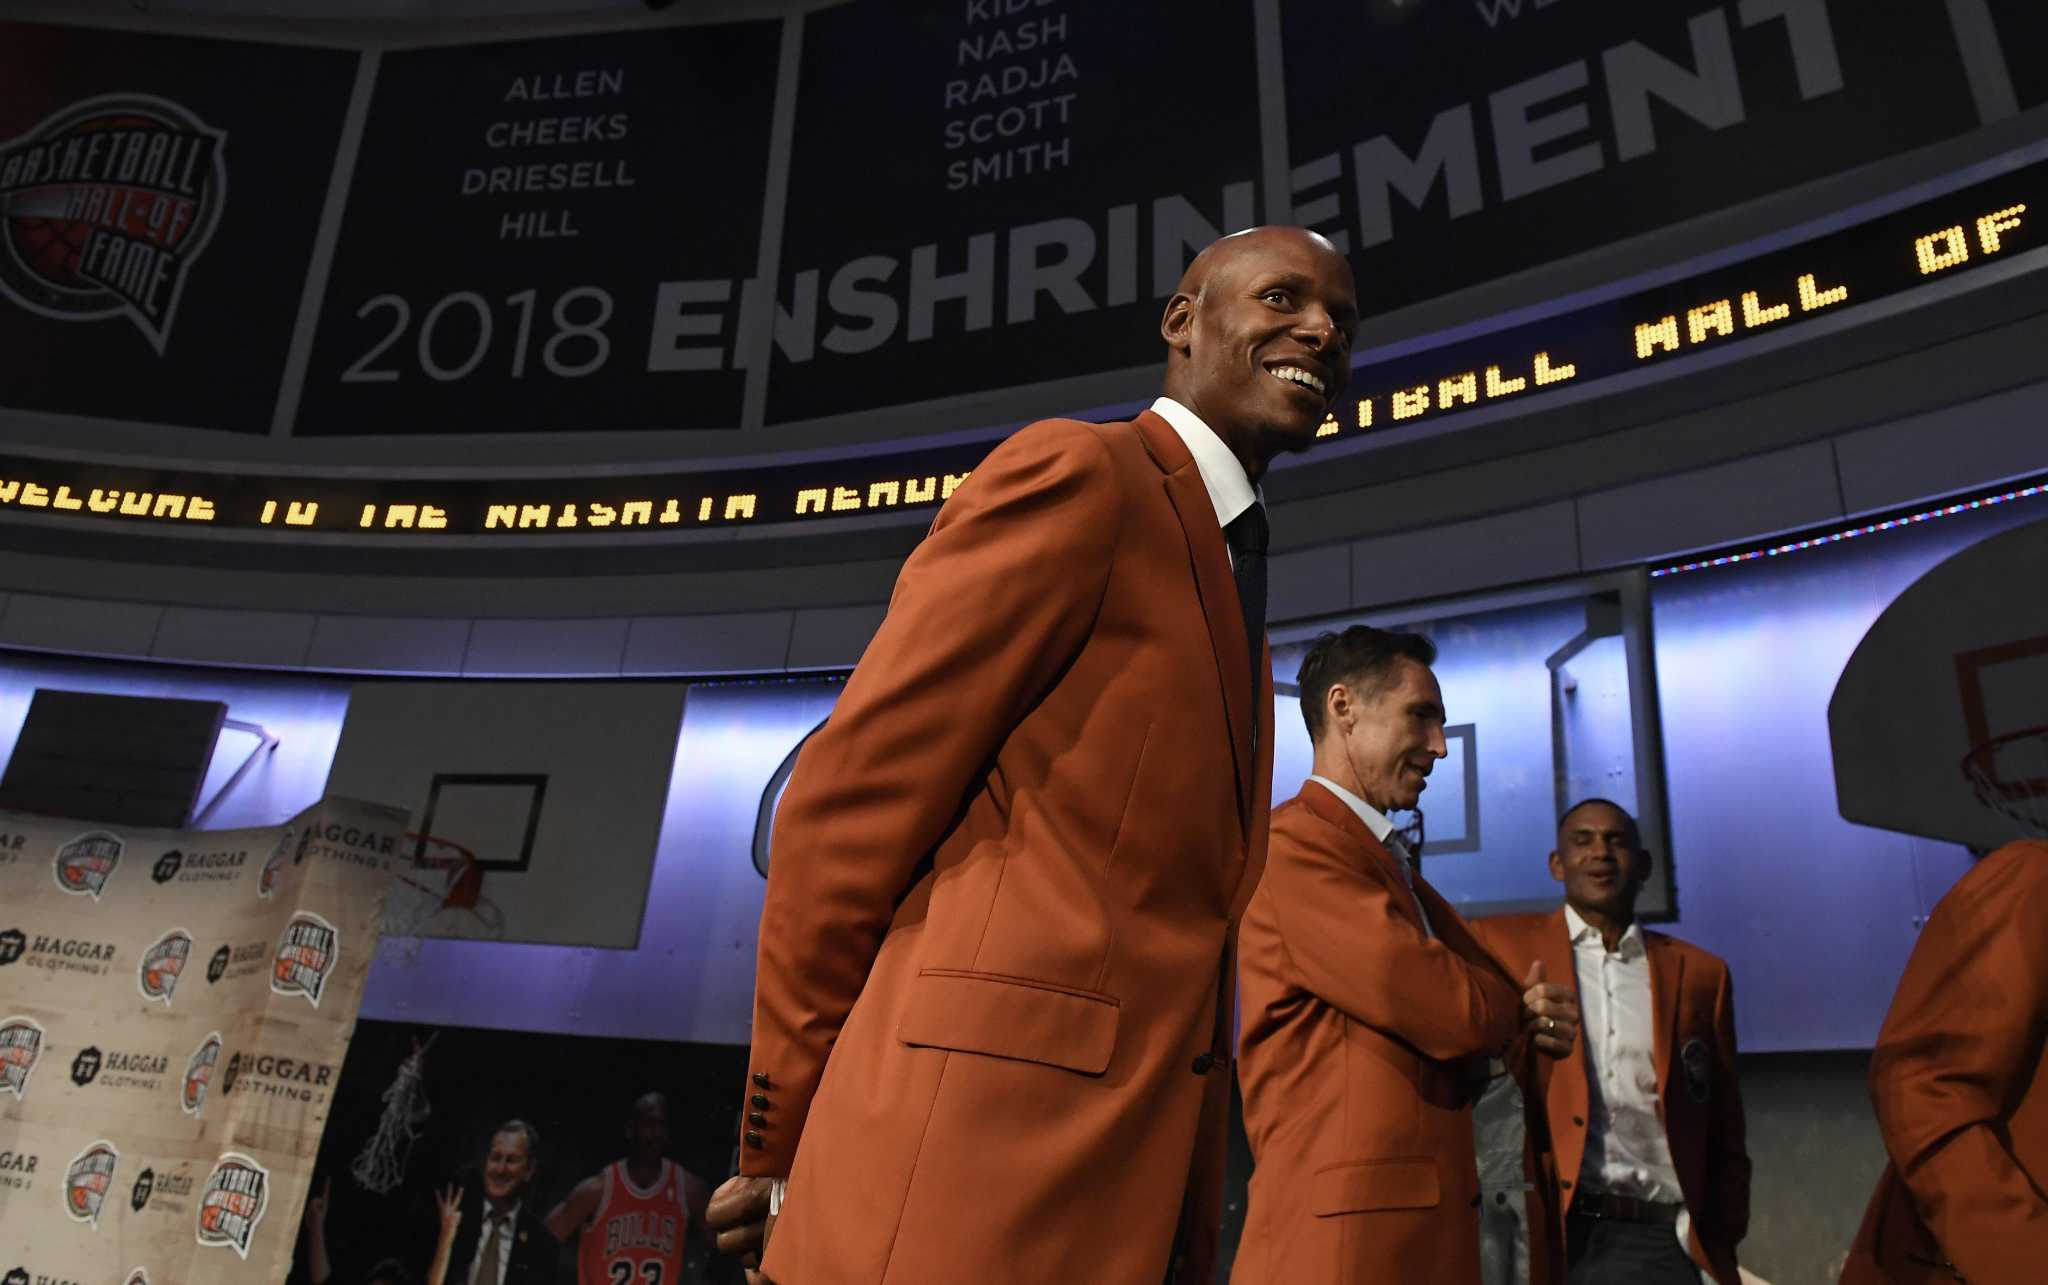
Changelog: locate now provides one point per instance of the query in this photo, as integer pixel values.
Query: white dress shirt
(1376, 821)
(1230, 489)
(508, 1228)
(1626, 1150)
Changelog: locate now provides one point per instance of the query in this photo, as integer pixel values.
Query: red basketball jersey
(636, 1235)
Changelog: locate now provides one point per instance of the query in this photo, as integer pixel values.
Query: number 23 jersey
(636, 1235)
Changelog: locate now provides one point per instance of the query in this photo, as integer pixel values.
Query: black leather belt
(1601, 1204)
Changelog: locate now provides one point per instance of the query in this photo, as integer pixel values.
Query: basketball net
(380, 1165)
(442, 889)
(2010, 776)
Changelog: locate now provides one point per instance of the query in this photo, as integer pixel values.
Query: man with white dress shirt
(991, 1007)
(1370, 1012)
(1647, 1176)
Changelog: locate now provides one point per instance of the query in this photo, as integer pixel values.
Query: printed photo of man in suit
(1648, 1178)
(1370, 1012)
(1960, 1081)
(495, 1235)
(991, 1013)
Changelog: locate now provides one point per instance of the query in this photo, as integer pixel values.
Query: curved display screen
(1959, 232)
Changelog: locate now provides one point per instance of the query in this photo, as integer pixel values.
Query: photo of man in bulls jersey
(632, 1216)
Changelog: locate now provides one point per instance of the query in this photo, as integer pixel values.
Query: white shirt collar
(1374, 819)
(1229, 489)
(1579, 932)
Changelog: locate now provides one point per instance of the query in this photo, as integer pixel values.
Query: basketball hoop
(442, 889)
(2010, 776)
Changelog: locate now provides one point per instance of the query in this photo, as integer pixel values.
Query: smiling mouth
(1298, 375)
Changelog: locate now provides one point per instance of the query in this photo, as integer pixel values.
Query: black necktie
(1246, 536)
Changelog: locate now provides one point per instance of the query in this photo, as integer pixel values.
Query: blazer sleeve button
(756, 1119)
(754, 1140)
(761, 1079)
(759, 1102)
(1205, 1061)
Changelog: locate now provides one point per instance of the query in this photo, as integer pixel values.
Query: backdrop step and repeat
(175, 1007)
(876, 204)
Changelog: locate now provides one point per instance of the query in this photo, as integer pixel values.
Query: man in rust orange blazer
(991, 1012)
(1960, 1082)
(1648, 1179)
(1369, 1009)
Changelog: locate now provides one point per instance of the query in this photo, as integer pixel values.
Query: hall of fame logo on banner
(107, 204)
(21, 1047)
(87, 1180)
(162, 964)
(306, 952)
(85, 864)
(199, 1074)
(232, 1204)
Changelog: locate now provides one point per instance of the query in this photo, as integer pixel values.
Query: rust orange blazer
(1961, 1089)
(989, 1042)
(1701, 1105)
(1358, 1030)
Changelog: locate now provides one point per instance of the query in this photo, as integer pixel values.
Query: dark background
(281, 108)
(699, 102)
(1167, 102)
(575, 1090)
(1351, 78)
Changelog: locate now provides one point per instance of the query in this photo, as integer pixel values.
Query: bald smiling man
(991, 1008)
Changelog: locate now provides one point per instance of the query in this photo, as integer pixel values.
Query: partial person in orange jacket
(991, 1006)
(1369, 1010)
(1960, 1082)
(1648, 1178)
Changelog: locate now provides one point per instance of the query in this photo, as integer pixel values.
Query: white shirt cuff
(778, 1191)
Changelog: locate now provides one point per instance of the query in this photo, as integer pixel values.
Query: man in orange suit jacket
(1369, 1010)
(991, 1010)
(1648, 1179)
(1960, 1083)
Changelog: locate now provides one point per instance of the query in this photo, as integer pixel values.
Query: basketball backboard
(1957, 660)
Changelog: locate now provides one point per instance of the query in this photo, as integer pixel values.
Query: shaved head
(1258, 339)
(1224, 252)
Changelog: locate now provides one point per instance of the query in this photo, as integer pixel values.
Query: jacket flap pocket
(1375, 1184)
(1010, 1017)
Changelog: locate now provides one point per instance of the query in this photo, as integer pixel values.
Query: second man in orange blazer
(1369, 1010)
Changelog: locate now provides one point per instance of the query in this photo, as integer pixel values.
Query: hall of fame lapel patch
(1699, 1069)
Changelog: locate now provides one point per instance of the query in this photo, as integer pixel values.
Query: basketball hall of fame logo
(104, 207)
(306, 952)
(21, 1047)
(162, 964)
(85, 864)
(237, 1192)
(88, 1179)
(199, 1074)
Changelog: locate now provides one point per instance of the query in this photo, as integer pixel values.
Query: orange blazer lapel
(1210, 559)
(1667, 977)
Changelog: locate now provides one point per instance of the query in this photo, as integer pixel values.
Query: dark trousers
(1610, 1251)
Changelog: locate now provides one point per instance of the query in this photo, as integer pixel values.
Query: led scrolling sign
(1956, 233)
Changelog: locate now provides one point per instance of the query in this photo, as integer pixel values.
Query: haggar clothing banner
(1452, 143)
(175, 1007)
(1012, 200)
(158, 204)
